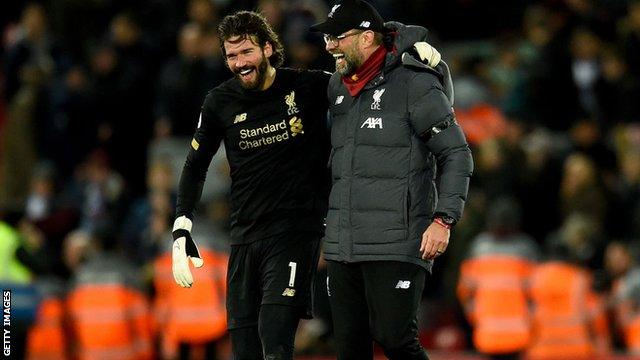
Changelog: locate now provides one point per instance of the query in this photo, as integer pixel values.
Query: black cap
(351, 14)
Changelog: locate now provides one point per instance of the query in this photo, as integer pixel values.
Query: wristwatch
(445, 219)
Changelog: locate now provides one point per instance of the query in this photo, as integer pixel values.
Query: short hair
(378, 38)
(252, 25)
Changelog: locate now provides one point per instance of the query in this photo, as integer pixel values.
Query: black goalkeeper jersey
(277, 143)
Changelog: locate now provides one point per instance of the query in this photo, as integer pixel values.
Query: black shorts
(276, 270)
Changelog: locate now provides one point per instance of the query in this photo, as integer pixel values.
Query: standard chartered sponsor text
(253, 138)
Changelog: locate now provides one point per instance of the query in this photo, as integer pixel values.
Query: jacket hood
(404, 36)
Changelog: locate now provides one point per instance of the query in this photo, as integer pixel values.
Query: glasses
(335, 40)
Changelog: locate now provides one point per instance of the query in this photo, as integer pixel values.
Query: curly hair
(252, 25)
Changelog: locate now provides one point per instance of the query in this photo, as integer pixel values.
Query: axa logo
(290, 100)
(333, 10)
(372, 123)
(339, 99)
(403, 284)
(240, 118)
(289, 292)
(377, 96)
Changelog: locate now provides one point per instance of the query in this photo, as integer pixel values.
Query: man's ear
(268, 49)
(369, 38)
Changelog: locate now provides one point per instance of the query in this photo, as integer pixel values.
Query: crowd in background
(99, 99)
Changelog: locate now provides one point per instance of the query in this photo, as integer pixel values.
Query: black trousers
(376, 301)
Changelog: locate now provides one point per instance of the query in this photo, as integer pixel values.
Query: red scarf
(367, 71)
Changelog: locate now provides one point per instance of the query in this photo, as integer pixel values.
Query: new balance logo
(289, 292)
(403, 284)
(365, 24)
(372, 123)
(339, 99)
(240, 118)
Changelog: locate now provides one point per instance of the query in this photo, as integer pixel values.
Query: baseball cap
(351, 14)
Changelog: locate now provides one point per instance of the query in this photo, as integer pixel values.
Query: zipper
(353, 153)
(407, 207)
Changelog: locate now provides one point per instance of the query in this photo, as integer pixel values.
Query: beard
(351, 62)
(260, 75)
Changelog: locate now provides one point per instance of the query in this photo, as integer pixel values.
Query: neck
(366, 53)
(268, 81)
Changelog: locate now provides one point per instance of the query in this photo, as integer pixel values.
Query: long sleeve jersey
(277, 145)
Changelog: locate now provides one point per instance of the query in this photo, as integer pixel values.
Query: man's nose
(240, 62)
(330, 46)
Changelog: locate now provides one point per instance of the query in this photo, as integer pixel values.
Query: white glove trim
(182, 222)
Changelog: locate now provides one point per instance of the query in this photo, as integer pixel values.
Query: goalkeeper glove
(428, 54)
(184, 247)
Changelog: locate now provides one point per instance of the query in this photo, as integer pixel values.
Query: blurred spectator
(184, 82)
(540, 183)
(97, 192)
(47, 338)
(580, 190)
(626, 196)
(630, 36)
(617, 90)
(123, 82)
(28, 69)
(626, 297)
(77, 246)
(584, 48)
(583, 235)
(149, 218)
(41, 198)
(498, 266)
(275, 13)
(586, 137)
(73, 122)
(16, 274)
(12, 243)
(497, 169)
(32, 49)
(109, 314)
(203, 13)
(569, 318)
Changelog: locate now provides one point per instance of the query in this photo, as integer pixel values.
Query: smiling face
(248, 61)
(346, 53)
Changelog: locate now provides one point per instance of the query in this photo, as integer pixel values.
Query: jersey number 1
(292, 274)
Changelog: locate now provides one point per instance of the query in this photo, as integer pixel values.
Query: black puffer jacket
(384, 194)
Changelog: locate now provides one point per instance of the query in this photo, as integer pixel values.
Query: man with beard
(273, 124)
(392, 127)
